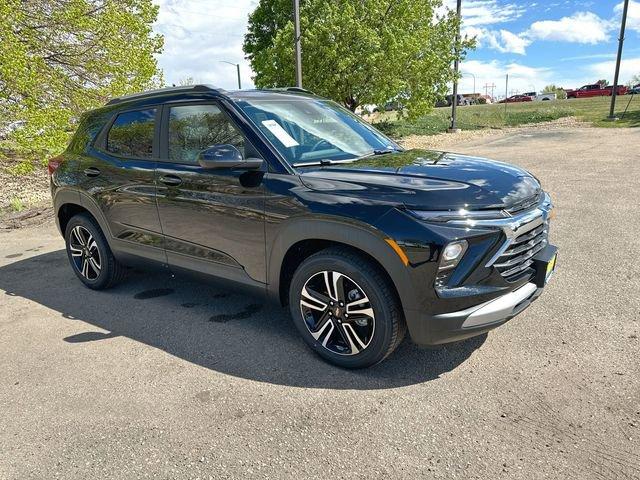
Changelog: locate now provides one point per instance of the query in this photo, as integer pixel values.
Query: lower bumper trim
(496, 310)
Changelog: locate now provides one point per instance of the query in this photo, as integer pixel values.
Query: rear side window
(193, 128)
(131, 134)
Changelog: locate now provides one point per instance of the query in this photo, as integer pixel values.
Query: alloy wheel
(337, 313)
(85, 252)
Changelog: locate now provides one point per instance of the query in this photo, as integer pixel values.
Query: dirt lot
(165, 379)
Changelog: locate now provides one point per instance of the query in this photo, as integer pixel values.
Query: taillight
(53, 165)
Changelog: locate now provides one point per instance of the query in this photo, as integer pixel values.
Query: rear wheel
(89, 254)
(345, 308)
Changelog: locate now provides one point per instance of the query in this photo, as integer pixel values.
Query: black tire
(382, 332)
(88, 249)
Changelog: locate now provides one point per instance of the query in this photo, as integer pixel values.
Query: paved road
(165, 379)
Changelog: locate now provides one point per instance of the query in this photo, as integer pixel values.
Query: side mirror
(226, 156)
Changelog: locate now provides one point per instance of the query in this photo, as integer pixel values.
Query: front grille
(518, 257)
(525, 204)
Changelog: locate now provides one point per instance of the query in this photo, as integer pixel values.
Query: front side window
(307, 130)
(131, 134)
(194, 128)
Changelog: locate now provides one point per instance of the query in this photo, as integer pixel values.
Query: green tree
(603, 82)
(560, 92)
(358, 51)
(59, 58)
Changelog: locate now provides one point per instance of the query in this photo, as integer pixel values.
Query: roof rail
(293, 89)
(163, 91)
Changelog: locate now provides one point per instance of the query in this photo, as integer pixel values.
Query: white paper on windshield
(280, 133)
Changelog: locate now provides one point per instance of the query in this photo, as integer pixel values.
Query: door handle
(91, 172)
(171, 180)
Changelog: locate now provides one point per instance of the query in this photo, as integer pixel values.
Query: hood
(427, 180)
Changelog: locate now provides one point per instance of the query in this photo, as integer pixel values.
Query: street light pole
(474, 79)
(614, 90)
(237, 65)
(296, 29)
(454, 128)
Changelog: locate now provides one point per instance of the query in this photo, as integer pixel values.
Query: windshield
(309, 130)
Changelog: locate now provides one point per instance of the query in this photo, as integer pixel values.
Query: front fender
(353, 233)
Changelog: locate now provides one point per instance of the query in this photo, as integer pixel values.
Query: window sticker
(280, 133)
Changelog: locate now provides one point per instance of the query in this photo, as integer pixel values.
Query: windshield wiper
(326, 162)
(383, 151)
(323, 163)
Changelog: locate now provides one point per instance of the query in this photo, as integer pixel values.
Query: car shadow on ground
(220, 330)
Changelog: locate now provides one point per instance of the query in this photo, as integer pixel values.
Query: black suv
(293, 196)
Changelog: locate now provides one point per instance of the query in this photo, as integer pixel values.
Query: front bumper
(463, 324)
(459, 325)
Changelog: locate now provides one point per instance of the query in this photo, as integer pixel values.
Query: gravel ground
(30, 189)
(159, 378)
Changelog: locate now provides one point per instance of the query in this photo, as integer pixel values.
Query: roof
(235, 95)
(166, 91)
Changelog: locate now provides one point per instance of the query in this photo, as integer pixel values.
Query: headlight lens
(452, 254)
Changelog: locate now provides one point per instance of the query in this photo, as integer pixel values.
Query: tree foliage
(603, 82)
(358, 51)
(59, 58)
(560, 92)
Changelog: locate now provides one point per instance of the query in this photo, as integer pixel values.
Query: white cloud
(522, 78)
(628, 68)
(486, 12)
(633, 16)
(502, 40)
(198, 35)
(582, 27)
(513, 43)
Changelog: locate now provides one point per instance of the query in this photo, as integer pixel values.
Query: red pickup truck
(595, 90)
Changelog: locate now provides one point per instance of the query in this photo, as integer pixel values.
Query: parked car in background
(542, 97)
(595, 90)
(291, 196)
(389, 107)
(516, 99)
(634, 90)
(545, 97)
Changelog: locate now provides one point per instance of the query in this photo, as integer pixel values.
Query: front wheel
(345, 308)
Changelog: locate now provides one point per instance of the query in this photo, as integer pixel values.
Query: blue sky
(566, 42)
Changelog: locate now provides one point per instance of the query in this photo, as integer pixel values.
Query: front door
(212, 219)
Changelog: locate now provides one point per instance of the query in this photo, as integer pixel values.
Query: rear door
(212, 219)
(120, 179)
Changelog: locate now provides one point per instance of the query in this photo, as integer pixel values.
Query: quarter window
(193, 128)
(131, 134)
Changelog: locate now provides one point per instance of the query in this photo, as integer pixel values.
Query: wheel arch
(68, 203)
(304, 237)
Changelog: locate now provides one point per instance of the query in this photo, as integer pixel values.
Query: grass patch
(592, 110)
(22, 168)
(16, 205)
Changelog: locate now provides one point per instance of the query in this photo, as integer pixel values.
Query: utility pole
(614, 91)
(506, 93)
(296, 29)
(454, 104)
(237, 65)
(488, 86)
